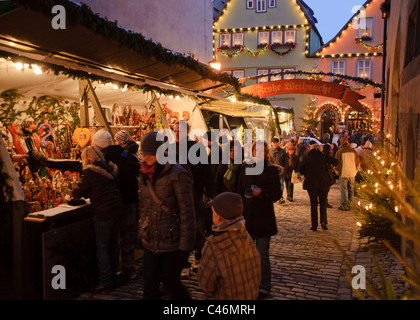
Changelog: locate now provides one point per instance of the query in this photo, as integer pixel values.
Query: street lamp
(215, 64)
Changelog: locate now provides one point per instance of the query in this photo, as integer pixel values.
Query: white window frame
(289, 76)
(278, 77)
(362, 31)
(272, 3)
(241, 40)
(286, 35)
(229, 43)
(261, 6)
(250, 4)
(259, 38)
(281, 36)
(334, 70)
(260, 72)
(238, 73)
(358, 66)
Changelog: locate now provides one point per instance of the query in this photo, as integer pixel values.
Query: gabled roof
(219, 5)
(345, 27)
(92, 41)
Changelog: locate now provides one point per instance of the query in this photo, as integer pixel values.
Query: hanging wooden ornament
(82, 136)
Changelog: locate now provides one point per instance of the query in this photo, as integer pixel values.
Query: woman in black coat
(317, 184)
(99, 183)
(258, 193)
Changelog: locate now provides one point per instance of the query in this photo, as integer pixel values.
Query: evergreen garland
(318, 74)
(149, 49)
(255, 53)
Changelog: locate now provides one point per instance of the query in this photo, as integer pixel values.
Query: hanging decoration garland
(255, 53)
(345, 83)
(317, 73)
(363, 43)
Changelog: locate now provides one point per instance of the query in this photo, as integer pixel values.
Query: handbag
(295, 179)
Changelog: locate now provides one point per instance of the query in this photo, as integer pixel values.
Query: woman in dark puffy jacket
(258, 193)
(99, 183)
(167, 221)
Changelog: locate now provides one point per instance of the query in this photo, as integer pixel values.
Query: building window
(277, 77)
(277, 37)
(289, 76)
(366, 29)
(261, 6)
(364, 69)
(271, 3)
(250, 4)
(338, 67)
(225, 40)
(263, 38)
(238, 74)
(413, 35)
(261, 72)
(290, 36)
(238, 39)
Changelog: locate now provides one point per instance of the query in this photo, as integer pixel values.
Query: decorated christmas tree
(387, 212)
(310, 118)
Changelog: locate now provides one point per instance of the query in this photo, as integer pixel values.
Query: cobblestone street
(305, 265)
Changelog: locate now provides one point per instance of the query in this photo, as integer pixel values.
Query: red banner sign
(319, 88)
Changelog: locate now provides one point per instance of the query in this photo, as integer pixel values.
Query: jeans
(263, 247)
(289, 188)
(282, 187)
(128, 237)
(106, 235)
(165, 267)
(320, 193)
(346, 192)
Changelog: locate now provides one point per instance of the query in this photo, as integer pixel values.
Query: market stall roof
(236, 108)
(91, 44)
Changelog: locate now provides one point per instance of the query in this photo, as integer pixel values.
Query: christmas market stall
(57, 88)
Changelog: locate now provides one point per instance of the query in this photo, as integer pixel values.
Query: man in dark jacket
(168, 223)
(203, 186)
(123, 154)
(280, 158)
(316, 183)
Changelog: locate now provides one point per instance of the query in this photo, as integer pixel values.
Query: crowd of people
(213, 214)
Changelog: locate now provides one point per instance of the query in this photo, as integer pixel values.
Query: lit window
(263, 38)
(238, 39)
(277, 37)
(277, 77)
(289, 76)
(261, 72)
(261, 5)
(271, 3)
(250, 4)
(225, 40)
(290, 36)
(238, 74)
(366, 28)
(364, 69)
(338, 66)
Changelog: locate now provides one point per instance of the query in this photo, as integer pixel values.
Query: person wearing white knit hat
(102, 139)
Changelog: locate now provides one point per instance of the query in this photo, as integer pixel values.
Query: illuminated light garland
(243, 29)
(363, 43)
(349, 55)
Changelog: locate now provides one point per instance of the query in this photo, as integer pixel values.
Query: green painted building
(258, 37)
